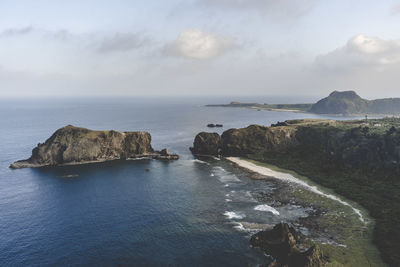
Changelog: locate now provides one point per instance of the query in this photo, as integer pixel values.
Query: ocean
(188, 212)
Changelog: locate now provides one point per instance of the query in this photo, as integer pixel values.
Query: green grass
(340, 219)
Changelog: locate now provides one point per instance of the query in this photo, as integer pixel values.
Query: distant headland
(72, 145)
(337, 103)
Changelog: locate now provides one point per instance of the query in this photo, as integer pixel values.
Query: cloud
(395, 10)
(361, 52)
(122, 42)
(197, 44)
(275, 8)
(17, 31)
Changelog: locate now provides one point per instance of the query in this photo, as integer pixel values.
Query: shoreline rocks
(72, 145)
(283, 244)
(212, 125)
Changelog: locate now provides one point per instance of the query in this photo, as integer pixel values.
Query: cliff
(73, 145)
(358, 159)
(371, 145)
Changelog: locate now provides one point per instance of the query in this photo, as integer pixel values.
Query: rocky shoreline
(314, 230)
(345, 156)
(72, 145)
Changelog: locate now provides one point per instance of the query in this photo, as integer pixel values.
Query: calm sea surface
(185, 212)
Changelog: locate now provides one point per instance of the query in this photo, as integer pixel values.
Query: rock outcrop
(239, 142)
(207, 144)
(282, 243)
(73, 145)
(165, 155)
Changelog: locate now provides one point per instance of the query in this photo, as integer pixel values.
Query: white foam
(267, 208)
(139, 158)
(199, 161)
(234, 215)
(212, 175)
(239, 227)
(224, 176)
(228, 200)
(289, 178)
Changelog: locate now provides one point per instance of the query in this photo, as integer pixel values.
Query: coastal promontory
(358, 159)
(71, 145)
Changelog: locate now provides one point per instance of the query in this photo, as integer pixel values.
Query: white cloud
(361, 52)
(395, 10)
(197, 44)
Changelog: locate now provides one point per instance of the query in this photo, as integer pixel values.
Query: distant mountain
(348, 102)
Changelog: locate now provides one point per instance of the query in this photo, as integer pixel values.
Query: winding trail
(289, 178)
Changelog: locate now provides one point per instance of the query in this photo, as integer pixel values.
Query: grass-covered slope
(75, 145)
(357, 159)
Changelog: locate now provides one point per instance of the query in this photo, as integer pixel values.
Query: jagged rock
(279, 242)
(207, 144)
(165, 155)
(73, 145)
(164, 152)
(282, 244)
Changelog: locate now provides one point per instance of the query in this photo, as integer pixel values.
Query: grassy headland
(359, 160)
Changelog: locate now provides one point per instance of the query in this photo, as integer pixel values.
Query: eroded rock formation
(74, 145)
(282, 243)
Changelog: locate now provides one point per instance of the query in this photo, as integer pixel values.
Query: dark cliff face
(206, 144)
(71, 144)
(250, 140)
(256, 139)
(350, 144)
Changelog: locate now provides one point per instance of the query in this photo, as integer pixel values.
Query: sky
(199, 47)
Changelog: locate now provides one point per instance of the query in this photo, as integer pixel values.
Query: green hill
(348, 102)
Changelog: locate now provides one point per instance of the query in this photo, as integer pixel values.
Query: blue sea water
(181, 213)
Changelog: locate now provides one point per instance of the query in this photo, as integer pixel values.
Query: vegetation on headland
(354, 237)
(338, 103)
(74, 145)
(357, 159)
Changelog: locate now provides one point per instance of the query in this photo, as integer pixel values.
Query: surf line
(289, 178)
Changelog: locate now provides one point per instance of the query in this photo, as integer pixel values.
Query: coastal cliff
(357, 159)
(73, 145)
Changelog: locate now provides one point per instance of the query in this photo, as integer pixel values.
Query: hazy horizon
(232, 48)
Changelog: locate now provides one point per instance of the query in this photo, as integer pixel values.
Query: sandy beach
(291, 179)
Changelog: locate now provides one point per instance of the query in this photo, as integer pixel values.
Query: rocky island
(71, 145)
(337, 103)
(358, 159)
